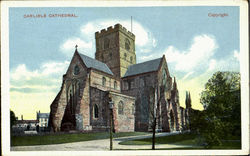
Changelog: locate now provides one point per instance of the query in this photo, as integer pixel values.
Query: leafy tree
(221, 102)
(12, 119)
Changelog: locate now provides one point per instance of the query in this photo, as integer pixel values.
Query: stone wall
(100, 99)
(96, 79)
(110, 49)
(140, 87)
(123, 120)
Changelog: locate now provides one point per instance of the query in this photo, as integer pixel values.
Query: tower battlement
(111, 29)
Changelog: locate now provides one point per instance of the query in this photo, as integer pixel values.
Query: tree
(221, 102)
(157, 96)
(12, 119)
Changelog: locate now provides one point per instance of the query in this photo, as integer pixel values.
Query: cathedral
(140, 92)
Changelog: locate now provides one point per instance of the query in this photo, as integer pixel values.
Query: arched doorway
(69, 118)
(172, 122)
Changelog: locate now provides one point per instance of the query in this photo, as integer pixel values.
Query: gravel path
(98, 145)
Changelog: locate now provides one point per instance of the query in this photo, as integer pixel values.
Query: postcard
(125, 78)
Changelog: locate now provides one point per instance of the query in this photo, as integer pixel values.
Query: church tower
(116, 48)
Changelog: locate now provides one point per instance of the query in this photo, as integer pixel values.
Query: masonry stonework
(139, 92)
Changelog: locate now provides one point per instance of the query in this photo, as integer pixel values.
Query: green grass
(191, 140)
(162, 140)
(65, 138)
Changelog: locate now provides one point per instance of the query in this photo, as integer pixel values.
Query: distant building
(24, 125)
(43, 120)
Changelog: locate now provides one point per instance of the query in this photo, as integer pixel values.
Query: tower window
(115, 85)
(131, 59)
(125, 56)
(95, 111)
(120, 107)
(106, 43)
(127, 44)
(103, 81)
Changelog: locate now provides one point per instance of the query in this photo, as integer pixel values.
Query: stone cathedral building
(139, 91)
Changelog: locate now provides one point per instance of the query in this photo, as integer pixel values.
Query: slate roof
(93, 63)
(43, 115)
(143, 67)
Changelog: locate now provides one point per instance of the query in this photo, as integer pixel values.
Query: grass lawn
(65, 138)
(188, 139)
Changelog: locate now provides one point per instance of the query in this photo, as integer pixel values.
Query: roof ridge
(95, 66)
(147, 61)
(145, 67)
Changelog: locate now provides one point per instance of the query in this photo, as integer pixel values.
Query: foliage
(12, 118)
(186, 141)
(221, 101)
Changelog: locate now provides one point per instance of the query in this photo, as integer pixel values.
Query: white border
(244, 68)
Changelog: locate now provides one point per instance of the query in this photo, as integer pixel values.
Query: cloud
(145, 36)
(228, 63)
(187, 75)
(46, 78)
(237, 54)
(202, 49)
(144, 43)
(212, 64)
(68, 47)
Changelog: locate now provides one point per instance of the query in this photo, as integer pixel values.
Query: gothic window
(95, 111)
(71, 102)
(120, 107)
(103, 81)
(76, 70)
(110, 56)
(132, 84)
(125, 85)
(127, 44)
(106, 43)
(133, 108)
(102, 58)
(125, 56)
(142, 82)
(115, 85)
(131, 59)
(164, 77)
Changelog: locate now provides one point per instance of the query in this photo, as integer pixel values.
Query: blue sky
(195, 45)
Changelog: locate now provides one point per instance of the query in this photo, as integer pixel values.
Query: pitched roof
(143, 67)
(93, 63)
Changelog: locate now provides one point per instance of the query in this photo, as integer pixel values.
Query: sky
(195, 44)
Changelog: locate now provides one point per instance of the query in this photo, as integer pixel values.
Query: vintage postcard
(125, 78)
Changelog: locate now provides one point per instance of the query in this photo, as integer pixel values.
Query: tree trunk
(153, 138)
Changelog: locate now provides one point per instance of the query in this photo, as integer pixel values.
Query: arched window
(103, 81)
(95, 111)
(106, 43)
(133, 108)
(76, 70)
(131, 59)
(120, 107)
(115, 85)
(102, 58)
(127, 44)
(125, 56)
(110, 56)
